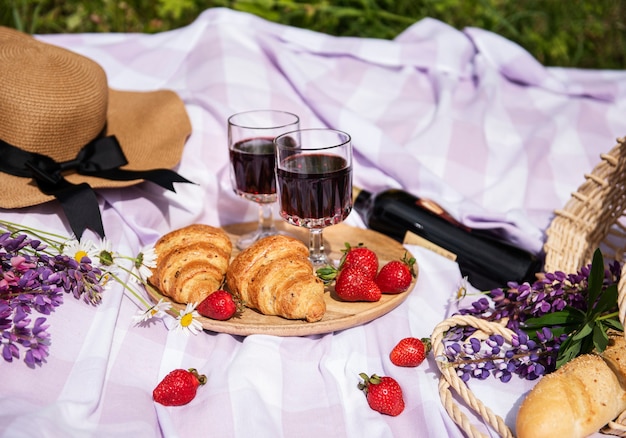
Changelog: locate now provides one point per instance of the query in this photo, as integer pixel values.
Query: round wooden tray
(339, 314)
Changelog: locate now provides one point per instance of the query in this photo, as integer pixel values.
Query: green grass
(568, 33)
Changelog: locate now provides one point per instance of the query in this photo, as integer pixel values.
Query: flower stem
(127, 287)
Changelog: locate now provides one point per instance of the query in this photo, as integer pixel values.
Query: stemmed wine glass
(252, 161)
(314, 177)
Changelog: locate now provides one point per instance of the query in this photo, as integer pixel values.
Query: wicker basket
(594, 217)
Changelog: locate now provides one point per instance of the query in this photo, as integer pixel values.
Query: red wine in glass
(314, 182)
(253, 161)
(315, 190)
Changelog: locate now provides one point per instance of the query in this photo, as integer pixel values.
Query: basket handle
(450, 382)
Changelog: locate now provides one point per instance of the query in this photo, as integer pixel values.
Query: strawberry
(410, 352)
(218, 305)
(353, 285)
(178, 387)
(396, 276)
(383, 394)
(360, 256)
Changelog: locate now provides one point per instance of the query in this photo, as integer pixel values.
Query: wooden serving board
(339, 314)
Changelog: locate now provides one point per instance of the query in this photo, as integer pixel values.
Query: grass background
(567, 33)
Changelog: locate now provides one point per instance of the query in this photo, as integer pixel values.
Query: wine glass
(252, 161)
(314, 182)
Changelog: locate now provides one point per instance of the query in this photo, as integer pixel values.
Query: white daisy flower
(105, 260)
(461, 291)
(104, 253)
(187, 321)
(157, 311)
(145, 260)
(79, 249)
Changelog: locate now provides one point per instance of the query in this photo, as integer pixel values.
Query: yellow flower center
(106, 258)
(79, 255)
(460, 294)
(139, 260)
(186, 320)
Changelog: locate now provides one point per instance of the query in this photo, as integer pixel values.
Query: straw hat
(54, 102)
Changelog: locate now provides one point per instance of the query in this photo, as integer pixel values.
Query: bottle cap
(355, 192)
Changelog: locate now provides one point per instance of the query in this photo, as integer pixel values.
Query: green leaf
(584, 331)
(613, 323)
(327, 273)
(570, 348)
(596, 279)
(567, 316)
(607, 301)
(586, 346)
(600, 337)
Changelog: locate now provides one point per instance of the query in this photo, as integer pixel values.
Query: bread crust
(275, 277)
(579, 398)
(191, 262)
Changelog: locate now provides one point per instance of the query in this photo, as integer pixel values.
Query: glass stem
(316, 247)
(266, 219)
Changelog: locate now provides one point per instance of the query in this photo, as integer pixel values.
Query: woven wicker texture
(592, 218)
(54, 101)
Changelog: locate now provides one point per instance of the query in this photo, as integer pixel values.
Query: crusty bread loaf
(274, 276)
(579, 398)
(615, 356)
(191, 262)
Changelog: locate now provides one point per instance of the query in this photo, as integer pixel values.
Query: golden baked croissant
(274, 276)
(191, 262)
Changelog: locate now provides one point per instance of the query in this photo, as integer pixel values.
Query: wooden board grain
(339, 314)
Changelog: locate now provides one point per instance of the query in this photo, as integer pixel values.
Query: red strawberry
(360, 256)
(218, 305)
(178, 387)
(396, 276)
(410, 352)
(353, 285)
(383, 394)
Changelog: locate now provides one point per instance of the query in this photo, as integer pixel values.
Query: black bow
(102, 157)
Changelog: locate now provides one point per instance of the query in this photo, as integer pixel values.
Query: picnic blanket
(464, 117)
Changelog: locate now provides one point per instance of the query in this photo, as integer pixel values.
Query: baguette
(191, 262)
(579, 398)
(275, 277)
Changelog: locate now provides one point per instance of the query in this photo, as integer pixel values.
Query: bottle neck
(360, 198)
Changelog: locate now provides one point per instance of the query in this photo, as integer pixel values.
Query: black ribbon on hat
(102, 157)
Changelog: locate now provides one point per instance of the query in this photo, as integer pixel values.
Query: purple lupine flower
(524, 356)
(34, 281)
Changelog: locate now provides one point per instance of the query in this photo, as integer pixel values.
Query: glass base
(320, 261)
(245, 240)
(317, 250)
(265, 227)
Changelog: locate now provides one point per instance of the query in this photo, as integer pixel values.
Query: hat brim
(151, 127)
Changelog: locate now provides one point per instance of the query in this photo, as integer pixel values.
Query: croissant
(274, 276)
(191, 262)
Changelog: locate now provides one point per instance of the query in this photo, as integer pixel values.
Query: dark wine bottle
(487, 261)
